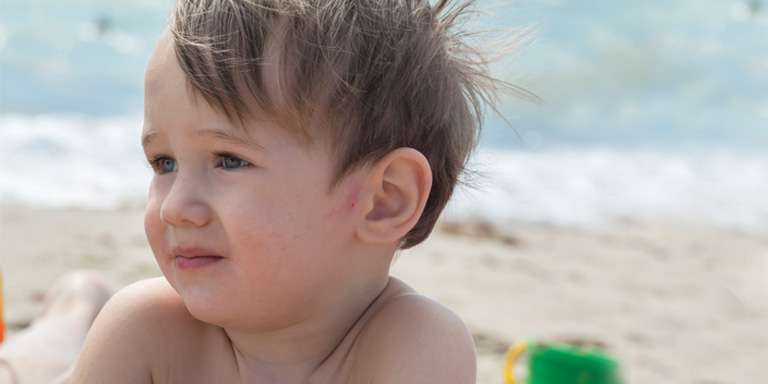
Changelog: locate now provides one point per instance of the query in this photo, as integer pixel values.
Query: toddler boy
(296, 145)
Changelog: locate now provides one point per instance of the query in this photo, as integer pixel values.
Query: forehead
(166, 93)
(164, 74)
(172, 103)
(169, 99)
(163, 70)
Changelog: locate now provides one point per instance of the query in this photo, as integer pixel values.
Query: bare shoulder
(414, 339)
(132, 333)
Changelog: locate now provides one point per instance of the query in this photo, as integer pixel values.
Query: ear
(396, 191)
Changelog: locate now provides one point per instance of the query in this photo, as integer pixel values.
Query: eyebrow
(147, 139)
(239, 140)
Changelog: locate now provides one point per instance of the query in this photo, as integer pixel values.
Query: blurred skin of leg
(44, 352)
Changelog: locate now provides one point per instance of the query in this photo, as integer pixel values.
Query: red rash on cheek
(351, 200)
(346, 207)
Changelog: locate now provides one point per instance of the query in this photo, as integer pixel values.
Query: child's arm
(124, 338)
(413, 339)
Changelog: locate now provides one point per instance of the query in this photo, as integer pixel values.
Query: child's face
(241, 223)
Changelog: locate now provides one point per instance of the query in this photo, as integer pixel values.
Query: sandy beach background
(647, 160)
(677, 303)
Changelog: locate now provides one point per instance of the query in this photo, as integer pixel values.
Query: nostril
(188, 212)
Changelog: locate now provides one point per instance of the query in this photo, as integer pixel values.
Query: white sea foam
(77, 161)
(71, 161)
(589, 187)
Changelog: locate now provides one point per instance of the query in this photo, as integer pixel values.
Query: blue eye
(232, 162)
(168, 165)
(164, 164)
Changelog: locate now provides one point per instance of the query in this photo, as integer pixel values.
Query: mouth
(194, 258)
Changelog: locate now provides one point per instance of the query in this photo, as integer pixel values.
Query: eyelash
(222, 156)
(155, 163)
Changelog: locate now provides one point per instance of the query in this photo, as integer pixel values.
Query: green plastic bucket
(560, 363)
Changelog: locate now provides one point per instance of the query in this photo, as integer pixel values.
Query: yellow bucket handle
(513, 353)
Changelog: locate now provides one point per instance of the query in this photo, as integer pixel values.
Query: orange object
(2, 319)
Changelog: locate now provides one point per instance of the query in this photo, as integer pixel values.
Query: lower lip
(196, 262)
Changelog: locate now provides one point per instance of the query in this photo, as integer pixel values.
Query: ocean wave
(599, 186)
(72, 161)
(94, 162)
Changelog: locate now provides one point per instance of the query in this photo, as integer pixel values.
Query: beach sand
(676, 303)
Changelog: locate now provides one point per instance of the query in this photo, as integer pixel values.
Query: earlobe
(397, 189)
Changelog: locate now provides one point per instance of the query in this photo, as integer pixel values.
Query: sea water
(651, 110)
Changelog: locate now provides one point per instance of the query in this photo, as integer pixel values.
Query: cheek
(265, 255)
(342, 207)
(250, 233)
(271, 235)
(351, 200)
(153, 226)
(151, 223)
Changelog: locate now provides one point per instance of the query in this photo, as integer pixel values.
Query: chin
(203, 303)
(208, 310)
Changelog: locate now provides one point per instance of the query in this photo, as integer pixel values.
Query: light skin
(271, 274)
(45, 351)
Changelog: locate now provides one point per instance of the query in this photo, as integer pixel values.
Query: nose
(185, 203)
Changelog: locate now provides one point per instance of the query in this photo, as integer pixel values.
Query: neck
(292, 354)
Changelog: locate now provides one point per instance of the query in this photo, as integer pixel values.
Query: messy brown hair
(365, 76)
